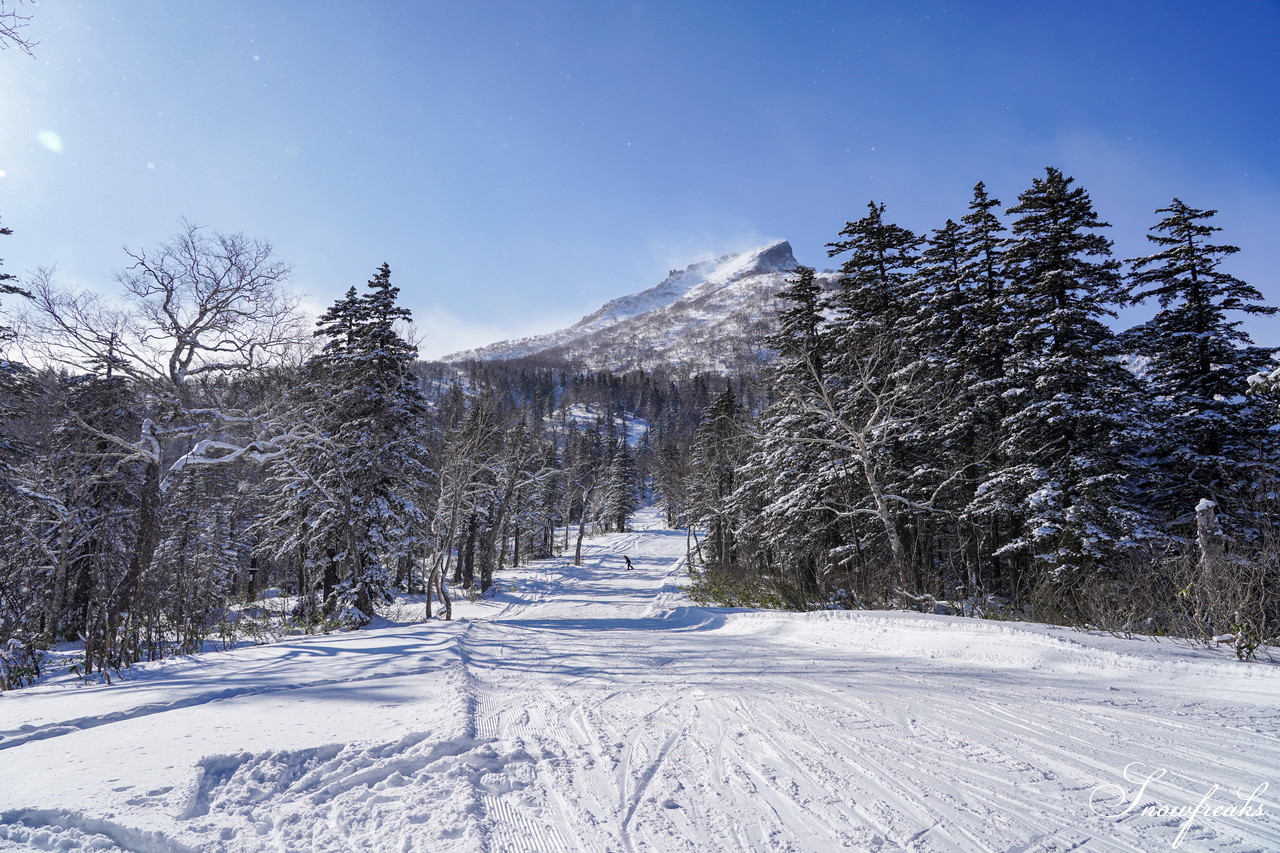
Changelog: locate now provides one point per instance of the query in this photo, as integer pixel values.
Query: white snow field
(594, 709)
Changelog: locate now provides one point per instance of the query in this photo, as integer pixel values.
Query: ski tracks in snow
(586, 709)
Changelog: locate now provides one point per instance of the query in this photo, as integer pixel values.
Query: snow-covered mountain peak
(704, 317)
(776, 257)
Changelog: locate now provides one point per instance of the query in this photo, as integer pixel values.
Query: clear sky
(519, 163)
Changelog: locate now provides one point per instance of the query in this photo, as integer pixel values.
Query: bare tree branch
(12, 22)
(201, 304)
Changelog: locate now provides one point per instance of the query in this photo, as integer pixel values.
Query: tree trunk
(467, 559)
(148, 537)
(328, 583)
(884, 512)
(432, 574)
(404, 576)
(582, 531)
(443, 592)
(582, 527)
(1209, 537)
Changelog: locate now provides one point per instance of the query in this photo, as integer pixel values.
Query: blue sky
(519, 163)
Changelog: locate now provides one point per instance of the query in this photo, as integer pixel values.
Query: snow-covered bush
(20, 664)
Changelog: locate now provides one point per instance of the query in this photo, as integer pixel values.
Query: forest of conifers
(956, 427)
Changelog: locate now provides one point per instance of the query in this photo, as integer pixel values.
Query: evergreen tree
(90, 529)
(717, 449)
(1067, 440)
(355, 488)
(877, 290)
(965, 327)
(14, 377)
(1212, 439)
(7, 285)
(982, 353)
(949, 323)
(670, 481)
(879, 354)
(622, 493)
(781, 496)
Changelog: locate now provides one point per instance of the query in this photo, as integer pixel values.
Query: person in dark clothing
(628, 562)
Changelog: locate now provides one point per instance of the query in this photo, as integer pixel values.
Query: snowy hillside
(594, 709)
(712, 315)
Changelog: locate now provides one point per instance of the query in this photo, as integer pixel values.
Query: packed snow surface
(595, 709)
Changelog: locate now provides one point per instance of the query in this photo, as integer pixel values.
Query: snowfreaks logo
(1114, 801)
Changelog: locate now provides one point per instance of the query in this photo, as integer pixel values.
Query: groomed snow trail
(595, 709)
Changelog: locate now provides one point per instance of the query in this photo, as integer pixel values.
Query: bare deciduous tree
(201, 304)
(12, 22)
(864, 418)
(199, 307)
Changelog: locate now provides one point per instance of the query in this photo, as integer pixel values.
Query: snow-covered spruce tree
(7, 285)
(23, 581)
(717, 450)
(1267, 380)
(789, 531)
(1212, 439)
(879, 357)
(965, 333)
(947, 323)
(1071, 429)
(622, 490)
(15, 378)
(643, 456)
(878, 289)
(350, 497)
(981, 354)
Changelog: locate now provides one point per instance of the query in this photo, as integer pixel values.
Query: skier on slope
(627, 560)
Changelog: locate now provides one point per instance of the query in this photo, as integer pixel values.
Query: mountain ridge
(714, 315)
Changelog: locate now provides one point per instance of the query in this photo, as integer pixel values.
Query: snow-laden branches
(878, 399)
(199, 305)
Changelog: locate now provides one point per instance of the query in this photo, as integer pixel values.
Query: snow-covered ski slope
(594, 709)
